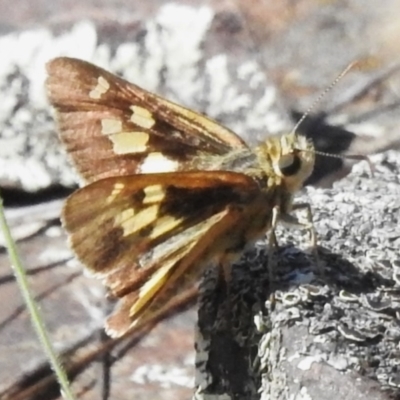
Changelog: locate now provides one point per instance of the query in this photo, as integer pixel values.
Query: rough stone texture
(326, 330)
(246, 63)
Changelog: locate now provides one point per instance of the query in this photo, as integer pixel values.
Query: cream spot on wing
(159, 278)
(157, 162)
(118, 187)
(164, 224)
(100, 89)
(151, 287)
(124, 142)
(142, 117)
(153, 194)
(110, 126)
(124, 216)
(129, 142)
(139, 220)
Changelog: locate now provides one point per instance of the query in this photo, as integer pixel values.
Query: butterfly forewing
(111, 127)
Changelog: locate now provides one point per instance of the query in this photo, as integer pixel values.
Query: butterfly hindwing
(126, 228)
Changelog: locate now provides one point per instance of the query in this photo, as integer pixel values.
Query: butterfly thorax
(280, 165)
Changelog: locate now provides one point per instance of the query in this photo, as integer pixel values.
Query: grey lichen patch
(346, 321)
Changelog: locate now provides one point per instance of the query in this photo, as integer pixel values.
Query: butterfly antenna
(357, 157)
(322, 95)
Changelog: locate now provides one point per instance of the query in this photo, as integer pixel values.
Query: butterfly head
(291, 157)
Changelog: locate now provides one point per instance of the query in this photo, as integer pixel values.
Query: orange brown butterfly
(168, 191)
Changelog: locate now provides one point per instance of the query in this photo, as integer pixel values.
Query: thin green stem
(37, 320)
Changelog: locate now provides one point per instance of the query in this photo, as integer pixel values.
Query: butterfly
(167, 192)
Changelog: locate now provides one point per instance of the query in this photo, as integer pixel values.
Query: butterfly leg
(308, 224)
(272, 245)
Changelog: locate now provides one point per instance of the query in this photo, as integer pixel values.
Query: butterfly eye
(289, 164)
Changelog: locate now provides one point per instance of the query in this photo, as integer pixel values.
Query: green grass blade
(33, 309)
